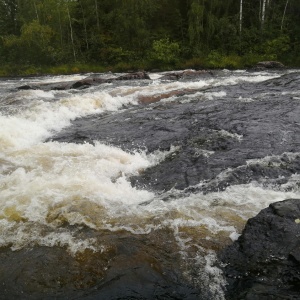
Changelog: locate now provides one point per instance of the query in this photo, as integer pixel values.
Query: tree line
(150, 33)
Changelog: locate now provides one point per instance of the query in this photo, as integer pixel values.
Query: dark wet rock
(186, 75)
(267, 65)
(86, 82)
(25, 87)
(129, 267)
(191, 74)
(171, 76)
(219, 142)
(264, 263)
(157, 97)
(59, 86)
(82, 84)
(134, 76)
(270, 65)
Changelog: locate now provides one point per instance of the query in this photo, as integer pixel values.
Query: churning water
(76, 195)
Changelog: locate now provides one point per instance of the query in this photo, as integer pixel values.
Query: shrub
(165, 52)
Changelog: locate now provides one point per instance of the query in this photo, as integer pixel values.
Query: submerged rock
(128, 267)
(264, 263)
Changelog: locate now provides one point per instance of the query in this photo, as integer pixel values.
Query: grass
(214, 60)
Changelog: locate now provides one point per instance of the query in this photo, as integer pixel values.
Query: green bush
(278, 46)
(216, 60)
(165, 52)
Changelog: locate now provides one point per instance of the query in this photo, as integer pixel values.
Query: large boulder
(270, 64)
(134, 76)
(264, 263)
(186, 75)
(263, 65)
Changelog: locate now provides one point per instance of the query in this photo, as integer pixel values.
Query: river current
(91, 206)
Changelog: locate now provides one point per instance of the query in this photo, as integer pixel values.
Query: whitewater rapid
(50, 189)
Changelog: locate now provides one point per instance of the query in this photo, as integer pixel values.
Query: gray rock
(186, 75)
(260, 66)
(264, 263)
(211, 138)
(270, 64)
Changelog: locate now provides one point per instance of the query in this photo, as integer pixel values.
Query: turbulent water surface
(128, 189)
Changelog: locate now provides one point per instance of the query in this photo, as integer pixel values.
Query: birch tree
(263, 13)
(97, 15)
(241, 16)
(71, 34)
(283, 16)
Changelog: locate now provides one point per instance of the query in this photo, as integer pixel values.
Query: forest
(87, 35)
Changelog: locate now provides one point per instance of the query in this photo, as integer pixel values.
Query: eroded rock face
(264, 263)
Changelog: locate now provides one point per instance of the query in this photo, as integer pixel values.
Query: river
(128, 189)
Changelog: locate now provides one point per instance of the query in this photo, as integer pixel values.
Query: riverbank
(212, 61)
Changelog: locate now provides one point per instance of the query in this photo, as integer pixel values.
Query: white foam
(40, 119)
(213, 276)
(53, 79)
(51, 183)
(44, 185)
(28, 234)
(226, 133)
(274, 160)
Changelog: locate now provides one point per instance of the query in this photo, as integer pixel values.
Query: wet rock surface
(87, 82)
(129, 267)
(270, 65)
(264, 262)
(218, 136)
(250, 132)
(187, 75)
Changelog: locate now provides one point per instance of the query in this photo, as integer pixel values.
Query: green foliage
(131, 34)
(194, 63)
(114, 55)
(277, 47)
(226, 38)
(165, 52)
(217, 60)
(250, 59)
(32, 46)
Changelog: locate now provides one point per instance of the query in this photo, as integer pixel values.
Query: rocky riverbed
(140, 185)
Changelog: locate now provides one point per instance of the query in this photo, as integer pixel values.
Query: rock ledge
(264, 263)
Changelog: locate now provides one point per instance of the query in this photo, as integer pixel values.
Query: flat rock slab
(220, 142)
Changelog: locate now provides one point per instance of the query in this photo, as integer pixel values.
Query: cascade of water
(76, 192)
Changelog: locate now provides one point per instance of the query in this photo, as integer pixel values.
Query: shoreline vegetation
(39, 37)
(226, 62)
